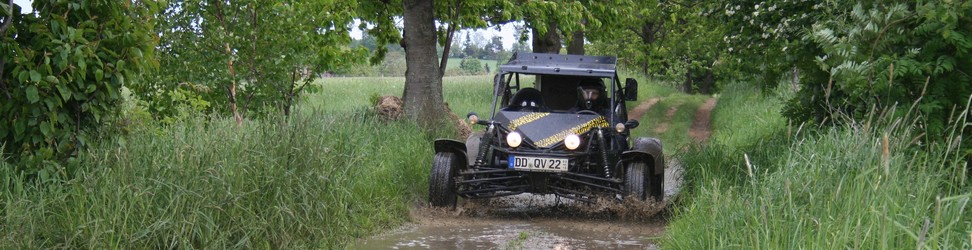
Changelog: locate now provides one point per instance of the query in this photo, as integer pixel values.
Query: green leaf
(19, 128)
(45, 128)
(51, 79)
(65, 92)
(22, 76)
(32, 94)
(99, 74)
(6, 9)
(35, 76)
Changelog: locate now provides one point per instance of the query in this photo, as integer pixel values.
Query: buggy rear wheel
(442, 181)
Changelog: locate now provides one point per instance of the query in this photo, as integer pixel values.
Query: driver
(590, 94)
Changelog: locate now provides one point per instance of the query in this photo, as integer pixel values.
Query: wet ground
(534, 222)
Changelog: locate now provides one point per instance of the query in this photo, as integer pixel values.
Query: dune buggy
(568, 134)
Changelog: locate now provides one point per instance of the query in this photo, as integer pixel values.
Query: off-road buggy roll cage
(581, 144)
(551, 70)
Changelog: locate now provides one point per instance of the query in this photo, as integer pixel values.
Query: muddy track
(702, 124)
(643, 108)
(540, 221)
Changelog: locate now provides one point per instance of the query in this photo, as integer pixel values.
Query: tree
(258, 54)
(423, 95)
(493, 48)
(62, 69)
(423, 80)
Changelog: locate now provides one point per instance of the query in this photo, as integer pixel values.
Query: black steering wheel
(587, 112)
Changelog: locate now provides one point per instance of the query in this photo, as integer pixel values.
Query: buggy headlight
(619, 127)
(514, 139)
(572, 141)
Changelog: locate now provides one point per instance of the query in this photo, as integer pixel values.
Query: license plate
(538, 164)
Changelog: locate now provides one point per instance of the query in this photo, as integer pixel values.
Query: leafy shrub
(62, 69)
(471, 65)
(880, 55)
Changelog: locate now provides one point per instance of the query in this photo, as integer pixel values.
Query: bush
(61, 72)
(874, 56)
(471, 65)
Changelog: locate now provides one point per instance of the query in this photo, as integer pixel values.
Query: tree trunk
(576, 46)
(547, 43)
(687, 85)
(423, 85)
(231, 89)
(232, 86)
(795, 83)
(708, 82)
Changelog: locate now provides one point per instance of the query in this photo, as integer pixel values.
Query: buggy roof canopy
(557, 64)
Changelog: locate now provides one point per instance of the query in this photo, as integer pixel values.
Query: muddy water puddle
(533, 222)
(515, 234)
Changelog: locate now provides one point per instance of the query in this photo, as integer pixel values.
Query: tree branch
(8, 20)
(446, 48)
(450, 33)
(3, 61)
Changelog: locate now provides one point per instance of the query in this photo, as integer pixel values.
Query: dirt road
(540, 221)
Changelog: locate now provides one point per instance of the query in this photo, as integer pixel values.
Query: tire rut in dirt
(701, 128)
(638, 112)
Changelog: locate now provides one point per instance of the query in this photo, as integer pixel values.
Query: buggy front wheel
(442, 181)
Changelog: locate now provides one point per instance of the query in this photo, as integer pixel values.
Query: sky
(506, 31)
(25, 5)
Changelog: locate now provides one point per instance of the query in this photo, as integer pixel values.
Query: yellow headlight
(619, 127)
(473, 119)
(572, 141)
(514, 139)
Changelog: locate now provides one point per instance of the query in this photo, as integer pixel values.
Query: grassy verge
(825, 189)
(317, 181)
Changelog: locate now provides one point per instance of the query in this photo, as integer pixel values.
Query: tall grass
(860, 185)
(315, 181)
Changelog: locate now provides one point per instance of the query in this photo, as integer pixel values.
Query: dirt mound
(390, 108)
(462, 128)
